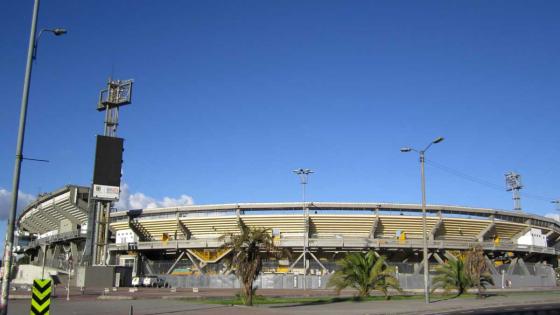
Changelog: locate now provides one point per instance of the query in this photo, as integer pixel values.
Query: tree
(248, 249)
(465, 272)
(364, 272)
(476, 267)
(452, 276)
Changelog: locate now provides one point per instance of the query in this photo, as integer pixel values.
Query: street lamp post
(303, 174)
(421, 153)
(8, 245)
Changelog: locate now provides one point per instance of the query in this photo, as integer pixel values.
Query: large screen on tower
(108, 161)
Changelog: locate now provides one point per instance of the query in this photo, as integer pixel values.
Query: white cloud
(554, 216)
(6, 202)
(139, 200)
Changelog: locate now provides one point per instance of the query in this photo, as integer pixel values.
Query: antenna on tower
(513, 183)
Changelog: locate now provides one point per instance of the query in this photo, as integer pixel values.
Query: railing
(342, 243)
(60, 237)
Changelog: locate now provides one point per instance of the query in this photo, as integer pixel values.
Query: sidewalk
(152, 306)
(405, 307)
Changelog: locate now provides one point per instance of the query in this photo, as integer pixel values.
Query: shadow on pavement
(323, 302)
(484, 296)
(188, 310)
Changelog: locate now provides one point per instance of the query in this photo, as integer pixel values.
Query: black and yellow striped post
(41, 297)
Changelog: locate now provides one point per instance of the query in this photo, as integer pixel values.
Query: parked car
(137, 281)
(154, 281)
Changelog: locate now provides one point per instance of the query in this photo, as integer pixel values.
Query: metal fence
(264, 281)
(532, 275)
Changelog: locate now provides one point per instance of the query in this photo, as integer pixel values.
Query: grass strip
(262, 300)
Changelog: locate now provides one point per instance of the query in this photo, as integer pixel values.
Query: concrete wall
(26, 273)
(98, 276)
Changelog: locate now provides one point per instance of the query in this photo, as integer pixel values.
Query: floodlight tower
(107, 169)
(513, 183)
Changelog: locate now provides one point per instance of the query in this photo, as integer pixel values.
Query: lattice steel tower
(106, 180)
(513, 183)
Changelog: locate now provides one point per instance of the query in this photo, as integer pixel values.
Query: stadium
(185, 243)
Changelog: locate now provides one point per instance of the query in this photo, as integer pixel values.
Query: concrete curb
(474, 308)
(116, 297)
(178, 297)
(20, 297)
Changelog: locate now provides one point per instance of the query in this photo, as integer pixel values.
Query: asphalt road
(512, 303)
(140, 307)
(542, 309)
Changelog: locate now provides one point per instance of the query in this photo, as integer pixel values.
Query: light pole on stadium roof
(557, 204)
(303, 174)
(421, 153)
(31, 56)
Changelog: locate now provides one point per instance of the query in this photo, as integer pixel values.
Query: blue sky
(230, 96)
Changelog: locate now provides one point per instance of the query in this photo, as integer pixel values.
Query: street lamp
(56, 31)
(19, 155)
(303, 174)
(424, 232)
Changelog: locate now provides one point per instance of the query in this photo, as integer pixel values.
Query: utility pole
(8, 245)
(303, 174)
(422, 153)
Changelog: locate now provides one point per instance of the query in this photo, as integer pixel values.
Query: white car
(153, 281)
(137, 281)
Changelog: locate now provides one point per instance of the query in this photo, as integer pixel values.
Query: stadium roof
(46, 213)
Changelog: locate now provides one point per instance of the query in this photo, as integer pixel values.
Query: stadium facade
(187, 240)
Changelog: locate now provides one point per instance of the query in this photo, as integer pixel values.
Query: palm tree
(364, 272)
(476, 267)
(463, 273)
(452, 275)
(248, 249)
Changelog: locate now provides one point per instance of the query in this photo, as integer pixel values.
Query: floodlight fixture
(118, 93)
(438, 140)
(513, 181)
(303, 171)
(59, 31)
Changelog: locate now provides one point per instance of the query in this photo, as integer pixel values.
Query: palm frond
(363, 272)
